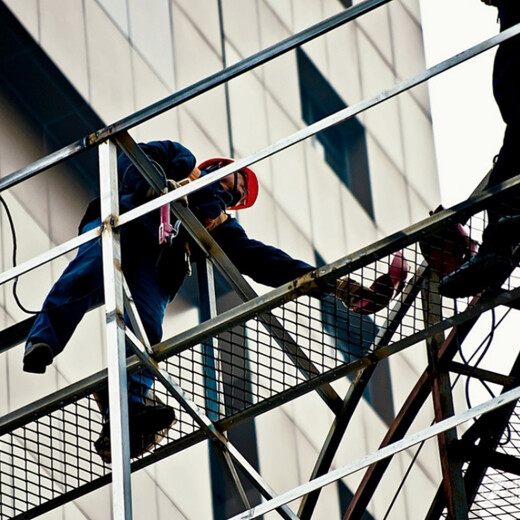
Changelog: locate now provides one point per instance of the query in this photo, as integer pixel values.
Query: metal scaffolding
(294, 340)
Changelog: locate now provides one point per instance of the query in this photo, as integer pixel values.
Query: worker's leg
(151, 285)
(497, 257)
(77, 290)
(506, 89)
(150, 299)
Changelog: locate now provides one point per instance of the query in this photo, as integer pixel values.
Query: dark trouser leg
(507, 165)
(77, 290)
(506, 89)
(496, 258)
(150, 285)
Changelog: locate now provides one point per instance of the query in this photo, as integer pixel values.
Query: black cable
(487, 340)
(15, 247)
(15, 282)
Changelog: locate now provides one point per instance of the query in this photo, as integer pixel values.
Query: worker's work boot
(38, 356)
(496, 259)
(147, 426)
(145, 418)
(483, 271)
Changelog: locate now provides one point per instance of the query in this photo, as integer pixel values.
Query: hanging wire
(486, 341)
(15, 281)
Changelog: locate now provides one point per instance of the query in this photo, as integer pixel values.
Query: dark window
(39, 90)
(344, 145)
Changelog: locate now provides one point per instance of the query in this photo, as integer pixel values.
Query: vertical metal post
(213, 383)
(208, 310)
(453, 481)
(115, 335)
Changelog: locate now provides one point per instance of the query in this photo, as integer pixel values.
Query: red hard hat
(249, 175)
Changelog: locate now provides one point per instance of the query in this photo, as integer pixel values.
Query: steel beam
(382, 454)
(49, 255)
(335, 436)
(115, 335)
(478, 373)
(453, 483)
(191, 92)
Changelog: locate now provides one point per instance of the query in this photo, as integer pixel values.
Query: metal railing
(298, 337)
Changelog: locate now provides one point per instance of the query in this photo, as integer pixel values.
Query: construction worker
(498, 254)
(154, 271)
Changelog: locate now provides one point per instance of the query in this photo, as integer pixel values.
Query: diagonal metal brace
(229, 270)
(204, 422)
(135, 320)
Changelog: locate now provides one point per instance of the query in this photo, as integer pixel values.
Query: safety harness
(168, 231)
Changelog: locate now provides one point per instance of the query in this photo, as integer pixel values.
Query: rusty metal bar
(402, 422)
(443, 405)
(334, 437)
(479, 373)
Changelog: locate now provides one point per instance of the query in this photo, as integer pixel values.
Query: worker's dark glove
(368, 300)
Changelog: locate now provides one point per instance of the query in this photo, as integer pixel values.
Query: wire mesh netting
(48, 457)
(499, 493)
(319, 328)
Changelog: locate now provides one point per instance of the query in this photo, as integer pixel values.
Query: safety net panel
(499, 493)
(48, 457)
(306, 340)
(289, 344)
(498, 496)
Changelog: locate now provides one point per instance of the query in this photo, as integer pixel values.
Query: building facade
(69, 68)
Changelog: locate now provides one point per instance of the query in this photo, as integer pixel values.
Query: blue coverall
(506, 90)
(153, 272)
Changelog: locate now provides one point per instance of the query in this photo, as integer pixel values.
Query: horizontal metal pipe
(233, 71)
(49, 255)
(190, 92)
(387, 451)
(323, 124)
